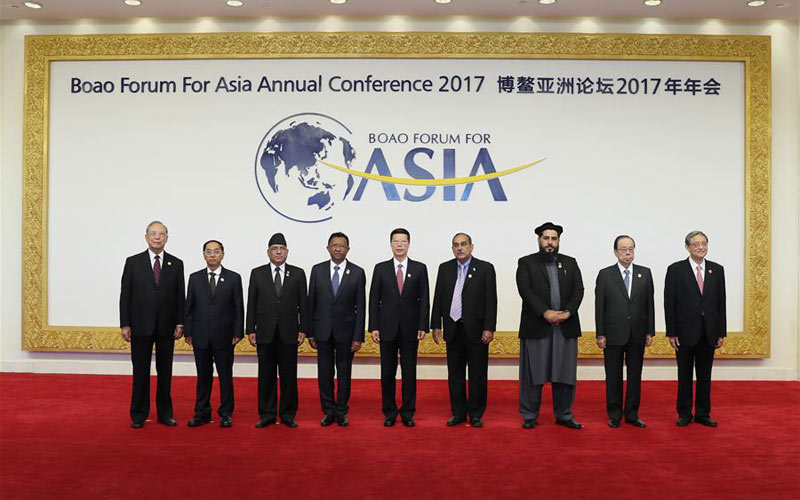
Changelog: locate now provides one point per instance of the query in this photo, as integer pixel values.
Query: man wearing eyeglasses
(695, 314)
(151, 302)
(336, 307)
(276, 325)
(213, 325)
(625, 321)
(465, 302)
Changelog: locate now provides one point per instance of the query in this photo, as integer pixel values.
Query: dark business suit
(212, 322)
(276, 320)
(463, 337)
(625, 322)
(398, 316)
(533, 286)
(152, 312)
(336, 321)
(698, 320)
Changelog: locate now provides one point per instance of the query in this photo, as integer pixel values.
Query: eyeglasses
(699, 244)
(215, 251)
(153, 234)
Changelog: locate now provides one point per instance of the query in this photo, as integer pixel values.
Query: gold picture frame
(40, 50)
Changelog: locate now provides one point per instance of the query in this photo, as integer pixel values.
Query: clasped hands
(555, 318)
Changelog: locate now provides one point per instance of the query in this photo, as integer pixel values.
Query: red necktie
(157, 270)
(400, 277)
(700, 278)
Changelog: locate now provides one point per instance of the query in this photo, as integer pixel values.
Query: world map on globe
(297, 185)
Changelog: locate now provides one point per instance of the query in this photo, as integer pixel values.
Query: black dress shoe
(341, 421)
(389, 422)
(476, 422)
(137, 425)
(683, 421)
(613, 423)
(169, 422)
(571, 423)
(529, 423)
(289, 422)
(706, 421)
(455, 421)
(198, 421)
(265, 422)
(326, 420)
(225, 422)
(635, 422)
(408, 422)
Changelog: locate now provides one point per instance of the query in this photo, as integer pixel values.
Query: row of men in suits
(551, 288)
(282, 312)
(331, 312)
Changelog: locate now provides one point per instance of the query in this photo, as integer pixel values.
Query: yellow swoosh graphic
(431, 182)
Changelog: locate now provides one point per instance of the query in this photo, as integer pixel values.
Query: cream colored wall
(782, 365)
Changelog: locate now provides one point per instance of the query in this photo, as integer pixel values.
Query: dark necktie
(335, 280)
(157, 270)
(278, 283)
(212, 283)
(627, 282)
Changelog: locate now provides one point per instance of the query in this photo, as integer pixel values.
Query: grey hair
(692, 235)
(147, 229)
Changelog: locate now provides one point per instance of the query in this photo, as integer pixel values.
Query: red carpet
(68, 436)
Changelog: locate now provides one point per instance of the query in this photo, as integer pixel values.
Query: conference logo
(305, 167)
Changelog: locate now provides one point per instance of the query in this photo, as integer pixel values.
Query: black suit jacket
(342, 316)
(619, 318)
(214, 321)
(266, 311)
(394, 313)
(534, 288)
(478, 299)
(148, 308)
(686, 311)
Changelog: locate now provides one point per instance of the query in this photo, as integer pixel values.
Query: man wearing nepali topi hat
(276, 325)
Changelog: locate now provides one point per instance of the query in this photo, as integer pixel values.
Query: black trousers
(614, 356)
(277, 358)
(334, 358)
(204, 360)
(461, 354)
(699, 357)
(141, 356)
(408, 365)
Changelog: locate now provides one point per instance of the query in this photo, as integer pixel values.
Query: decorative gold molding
(41, 50)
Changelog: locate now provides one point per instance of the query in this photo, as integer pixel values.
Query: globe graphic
(289, 172)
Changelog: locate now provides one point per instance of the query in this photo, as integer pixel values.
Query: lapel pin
(469, 276)
(221, 280)
(169, 263)
(638, 275)
(710, 271)
(559, 265)
(347, 271)
(409, 275)
(287, 274)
